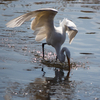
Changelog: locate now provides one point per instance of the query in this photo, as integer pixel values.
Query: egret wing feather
(41, 24)
(21, 19)
(40, 34)
(71, 30)
(71, 35)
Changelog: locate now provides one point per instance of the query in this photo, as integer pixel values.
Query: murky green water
(21, 62)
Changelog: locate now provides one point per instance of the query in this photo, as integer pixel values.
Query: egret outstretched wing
(71, 28)
(21, 19)
(43, 18)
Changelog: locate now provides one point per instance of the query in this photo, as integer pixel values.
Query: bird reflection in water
(59, 69)
(59, 76)
(45, 87)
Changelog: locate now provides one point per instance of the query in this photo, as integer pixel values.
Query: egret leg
(43, 49)
(43, 71)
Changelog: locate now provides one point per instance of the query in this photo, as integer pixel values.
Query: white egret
(43, 26)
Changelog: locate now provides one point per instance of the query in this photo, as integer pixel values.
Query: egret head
(62, 56)
(67, 52)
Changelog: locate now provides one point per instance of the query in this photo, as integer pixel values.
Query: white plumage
(43, 23)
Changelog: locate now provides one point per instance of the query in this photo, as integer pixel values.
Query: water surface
(21, 62)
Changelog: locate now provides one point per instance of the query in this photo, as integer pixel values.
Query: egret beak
(69, 68)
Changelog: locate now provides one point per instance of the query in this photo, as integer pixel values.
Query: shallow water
(21, 62)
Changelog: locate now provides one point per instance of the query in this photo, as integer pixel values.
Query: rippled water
(23, 74)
